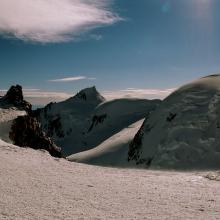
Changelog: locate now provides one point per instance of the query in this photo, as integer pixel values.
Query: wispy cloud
(74, 78)
(53, 20)
(138, 93)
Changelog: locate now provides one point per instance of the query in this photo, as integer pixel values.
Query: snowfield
(35, 185)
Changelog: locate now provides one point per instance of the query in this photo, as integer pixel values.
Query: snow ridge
(183, 133)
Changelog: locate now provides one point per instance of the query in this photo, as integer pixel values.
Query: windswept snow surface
(184, 132)
(112, 152)
(34, 185)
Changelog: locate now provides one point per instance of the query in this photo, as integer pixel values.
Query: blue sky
(126, 48)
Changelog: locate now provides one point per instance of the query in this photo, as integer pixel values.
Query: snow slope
(111, 117)
(184, 132)
(85, 120)
(112, 152)
(37, 186)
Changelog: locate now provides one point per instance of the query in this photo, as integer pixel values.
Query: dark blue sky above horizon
(159, 44)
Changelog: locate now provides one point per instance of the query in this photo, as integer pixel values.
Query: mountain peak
(90, 94)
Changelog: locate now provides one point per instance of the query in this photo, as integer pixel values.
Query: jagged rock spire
(14, 97)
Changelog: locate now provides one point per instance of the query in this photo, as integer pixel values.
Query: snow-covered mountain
(85, 120)
(184, 132)
(66, 122)
(111, 117)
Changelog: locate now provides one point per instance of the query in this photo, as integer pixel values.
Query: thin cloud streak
(74, 78)
(47, 21)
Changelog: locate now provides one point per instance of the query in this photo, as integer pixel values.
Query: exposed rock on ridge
(26, 132)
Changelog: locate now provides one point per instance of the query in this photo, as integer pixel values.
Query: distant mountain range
(86, 120)
(180, 132)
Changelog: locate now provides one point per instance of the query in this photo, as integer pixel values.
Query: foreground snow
(36, 186)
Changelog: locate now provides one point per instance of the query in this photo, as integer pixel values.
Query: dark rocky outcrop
(82, 95)
(171, 116)
(97, 119)
(55, 127)
(14, 97)
(135, 146)
(26, 132)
